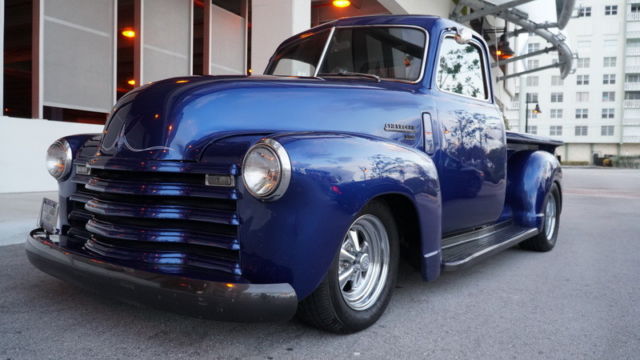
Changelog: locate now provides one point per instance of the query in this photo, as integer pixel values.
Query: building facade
(595, 110)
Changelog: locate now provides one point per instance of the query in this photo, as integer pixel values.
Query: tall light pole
(536, 110)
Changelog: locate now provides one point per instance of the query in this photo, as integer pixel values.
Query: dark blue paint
(333, 131)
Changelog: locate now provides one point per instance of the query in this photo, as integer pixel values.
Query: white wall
(418, 7)
(273, 22)
(23, 145)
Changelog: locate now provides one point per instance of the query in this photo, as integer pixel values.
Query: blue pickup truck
(369, 141)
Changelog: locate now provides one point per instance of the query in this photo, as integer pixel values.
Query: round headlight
(266, 170)
(59, 159)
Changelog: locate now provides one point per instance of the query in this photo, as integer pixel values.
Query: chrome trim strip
(433, 253)
(505, 244)
(324, 51)
(424, 56)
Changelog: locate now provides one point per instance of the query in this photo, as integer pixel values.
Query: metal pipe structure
(522, 57)
(519, 18)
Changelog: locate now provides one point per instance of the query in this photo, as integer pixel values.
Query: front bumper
(201, 298)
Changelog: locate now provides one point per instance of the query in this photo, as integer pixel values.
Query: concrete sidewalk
(19, 214)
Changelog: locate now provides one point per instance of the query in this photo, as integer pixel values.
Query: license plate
(49, 216)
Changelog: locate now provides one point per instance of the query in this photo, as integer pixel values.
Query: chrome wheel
(550, 213)
(364, 262)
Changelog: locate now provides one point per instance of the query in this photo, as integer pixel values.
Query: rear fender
(531, 175)
(295, 238)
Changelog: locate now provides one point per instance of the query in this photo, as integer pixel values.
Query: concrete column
(272, 22)
(2, 57)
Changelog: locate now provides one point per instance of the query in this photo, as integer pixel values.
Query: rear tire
(546, 239)
(359, 283)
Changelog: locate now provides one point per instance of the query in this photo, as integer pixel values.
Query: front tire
(359, 283)
(546, 239)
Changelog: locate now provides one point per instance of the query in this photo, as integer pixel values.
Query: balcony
(633, 16)
(633, 51)
(632, 86)
(515, 105)
(633, 34)
(631, 139)
(631, 68)
(631, 122)
(631, 104)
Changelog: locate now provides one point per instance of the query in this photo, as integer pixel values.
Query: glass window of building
(611, 10)
(632, 78)
(608, 113)
(609, 79)
(632, 95)
(581, 130)
(608, 96)
(533, 47)
(582, 96)
(555, 130)
(532, 80)
(606, 130)
(555, 113)
(609, 61)
(582, 113)
(635, 8)
(582, 80)
(533, 63)
(532, 129)
(556, 80)
(532, 97)
(584, 11)
(584, 62)
(557, 97)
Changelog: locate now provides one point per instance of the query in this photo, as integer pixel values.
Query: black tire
(326, 307)
(542, 242)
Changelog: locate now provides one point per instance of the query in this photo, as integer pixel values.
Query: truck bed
(519, 141)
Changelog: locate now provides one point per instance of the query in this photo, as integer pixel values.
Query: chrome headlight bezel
(284, 164)
(59, 159)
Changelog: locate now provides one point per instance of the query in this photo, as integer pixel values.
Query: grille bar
(134, 187)
(121, 209)
(166, 235)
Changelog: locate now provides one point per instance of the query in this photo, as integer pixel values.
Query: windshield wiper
(354, 74)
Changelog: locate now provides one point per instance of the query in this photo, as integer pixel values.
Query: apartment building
(595, 110)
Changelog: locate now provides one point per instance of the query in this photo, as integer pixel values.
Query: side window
(461, 69)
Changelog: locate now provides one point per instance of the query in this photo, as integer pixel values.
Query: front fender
(531, 175)
(295, 238)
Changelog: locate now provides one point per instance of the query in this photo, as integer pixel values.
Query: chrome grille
(168, 221)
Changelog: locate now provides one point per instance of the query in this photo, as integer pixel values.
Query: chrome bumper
(216, 300)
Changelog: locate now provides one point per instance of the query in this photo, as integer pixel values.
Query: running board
(462, 250)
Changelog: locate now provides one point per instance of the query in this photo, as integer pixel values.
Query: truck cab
(257, 198)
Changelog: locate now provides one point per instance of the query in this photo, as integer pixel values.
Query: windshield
(299, 58)
(386, 52)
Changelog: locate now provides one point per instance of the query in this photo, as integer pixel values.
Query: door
(472, 161)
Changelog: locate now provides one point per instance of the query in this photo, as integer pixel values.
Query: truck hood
(178, 118)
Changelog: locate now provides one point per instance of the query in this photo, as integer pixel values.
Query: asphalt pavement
(580, 301)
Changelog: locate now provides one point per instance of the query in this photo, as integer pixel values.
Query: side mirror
(463, 35)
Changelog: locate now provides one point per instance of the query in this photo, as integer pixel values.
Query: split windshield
(386, 52)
